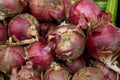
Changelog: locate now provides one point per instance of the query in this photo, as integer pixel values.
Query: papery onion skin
(68, 4)
(40, 54)
(108, 73)
(56, 73)
(88, 73)
(26, 72)
(10, 8)
(11, 57)
(47, 10)
(3, 33)
(104, 42)
(75, 65)
(21, 26)
(70, 42)
(84, 11)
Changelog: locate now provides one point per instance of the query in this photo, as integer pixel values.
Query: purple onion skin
(3, 33)
(84, 11)
(103, 42)
(56, 73)
(10, 8)
(108, 73)
(70, 42)
(47, 10)
(88, 73)
(20, 26)
(11, 57)
(40, 54)
(75, 65)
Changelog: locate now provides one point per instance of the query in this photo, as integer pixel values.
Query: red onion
(47, 10)
(104, 44)
(46, 29)
(56, 73)
(11, 57)
(70, 42)
(75, 65)
(3, 33)
(27, 72)
(22, 26)
(40, 54)
(84, 11)
(108, 73)
(88, 73)
(11, 7)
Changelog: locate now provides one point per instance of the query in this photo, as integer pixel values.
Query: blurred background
(118, 15)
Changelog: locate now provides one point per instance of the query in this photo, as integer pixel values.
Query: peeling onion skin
(47, 10)
(108, 73)
(9, 8)
(26, 72)
(88, 73)
(56, 73)
(75, 65)
(103, 43)
(68, 4)
(21, 26)
(70, 42)
(40, 54)
(11, 57)
(3, 33)
(83, 12)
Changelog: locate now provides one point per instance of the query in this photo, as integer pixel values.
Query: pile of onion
(57, 40)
